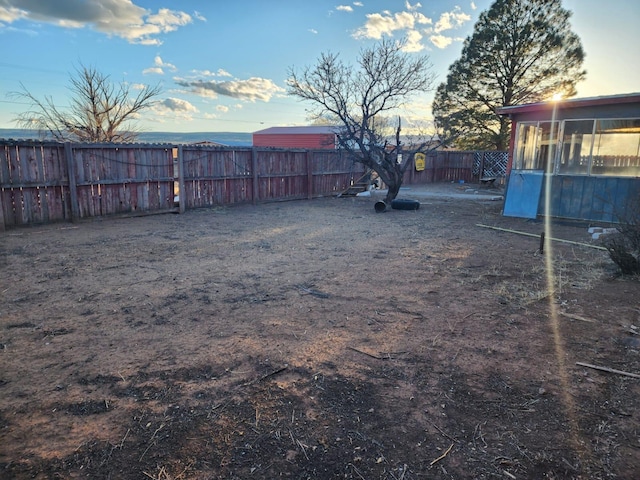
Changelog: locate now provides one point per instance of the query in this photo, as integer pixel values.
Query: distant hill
(234, 139)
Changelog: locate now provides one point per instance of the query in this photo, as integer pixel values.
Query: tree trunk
(394, 182)
(392, 193)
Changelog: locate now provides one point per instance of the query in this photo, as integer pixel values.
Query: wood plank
(24, 172)
(2, 203)
(182, 192)
(256, 179)
(608, 370)
(42, 190)
(71, 174)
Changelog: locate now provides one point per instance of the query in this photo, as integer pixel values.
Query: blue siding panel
(604, 199)
(523, 195)
(588, 191)
(610, 194)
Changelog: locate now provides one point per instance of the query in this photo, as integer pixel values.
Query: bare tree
(99, 111)
(361, 100)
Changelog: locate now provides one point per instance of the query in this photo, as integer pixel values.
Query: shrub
(624, 247)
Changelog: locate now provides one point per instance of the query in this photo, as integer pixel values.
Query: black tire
(405, 204)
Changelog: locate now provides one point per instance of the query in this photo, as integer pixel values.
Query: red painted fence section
(43, 182)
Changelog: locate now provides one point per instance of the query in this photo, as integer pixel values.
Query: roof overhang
(570, 104)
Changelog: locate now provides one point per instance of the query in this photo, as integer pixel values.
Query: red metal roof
(311, 130)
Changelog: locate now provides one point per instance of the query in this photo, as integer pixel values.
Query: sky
(222, 65)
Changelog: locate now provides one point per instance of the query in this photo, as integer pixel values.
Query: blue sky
(223, 64)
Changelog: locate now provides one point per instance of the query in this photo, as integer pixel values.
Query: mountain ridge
(235, 139)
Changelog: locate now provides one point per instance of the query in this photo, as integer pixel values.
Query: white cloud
(178, 105)
(473, 6)
(380, 24)
(159, 67)
(153, 71)
(222, 108)
(121, 18)
(414, 39)
(385, 23)
(441, 41)
(175, 108)
(451, 20)
(358, 4)
(158, 62)
(208, 73)
(11, 14)
(251, 89)
(412, 25)
(344, 8)
(313, 30)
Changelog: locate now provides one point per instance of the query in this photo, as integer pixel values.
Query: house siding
(599, 199)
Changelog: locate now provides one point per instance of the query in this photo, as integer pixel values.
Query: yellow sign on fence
(419, 160)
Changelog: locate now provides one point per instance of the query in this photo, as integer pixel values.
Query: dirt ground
(316, 340)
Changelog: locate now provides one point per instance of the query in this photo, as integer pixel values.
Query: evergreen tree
(521, 51)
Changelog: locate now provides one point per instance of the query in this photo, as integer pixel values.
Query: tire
(405, 204)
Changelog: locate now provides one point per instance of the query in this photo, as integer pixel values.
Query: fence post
(254, 167)
(309, 175)
(2, 227)
(412, 169)
(182, 195)
(73, 185)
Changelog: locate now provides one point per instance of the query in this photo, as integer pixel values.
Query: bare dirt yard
(316, 340)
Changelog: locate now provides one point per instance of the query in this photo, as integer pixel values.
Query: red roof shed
(314, 137)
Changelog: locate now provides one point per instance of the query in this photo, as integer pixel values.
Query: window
(536, 146)
(616, 148)
(577, 141)
(586, 147)
(525, 146)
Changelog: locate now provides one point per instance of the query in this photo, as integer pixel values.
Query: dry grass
(531, 285)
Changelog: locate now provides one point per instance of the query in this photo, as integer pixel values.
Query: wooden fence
(42, 182)
(444, 166)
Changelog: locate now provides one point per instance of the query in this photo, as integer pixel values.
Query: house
(580, 156)
(312, 137)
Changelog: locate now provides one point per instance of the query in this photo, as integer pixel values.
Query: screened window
(577, 141)
(536, 146)
(616, 149)
(525, 146)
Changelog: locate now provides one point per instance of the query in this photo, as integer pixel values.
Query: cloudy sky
(222, 65)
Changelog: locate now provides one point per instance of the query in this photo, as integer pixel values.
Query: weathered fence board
(456, 166)
(123, 179)
(47, 181)
(31, 187)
